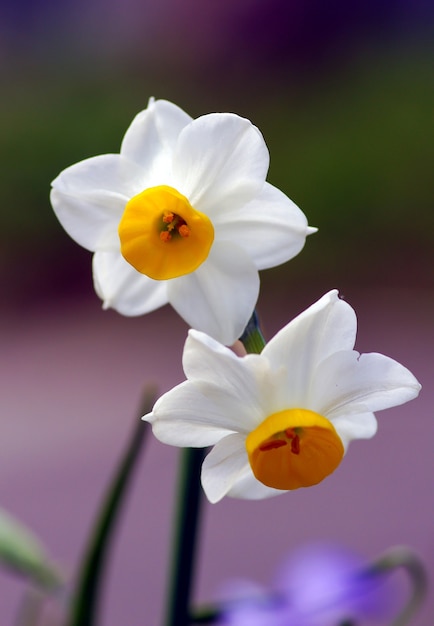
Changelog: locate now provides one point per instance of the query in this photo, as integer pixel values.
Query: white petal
(358, 426)
(151, 138)
(124, 289)
(249, 488)
(238, 386)
(224, 393)
(347, 383)
(226, 472)
(204, 358)
(271, 228)
(223, 466)
(89, 197)
(220, 159)
(186, 417)
(219, 297)
(326, 327)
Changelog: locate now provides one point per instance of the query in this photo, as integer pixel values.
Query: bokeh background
(343, 93)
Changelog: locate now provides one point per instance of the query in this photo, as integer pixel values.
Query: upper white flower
(182, 215)
(282, 419)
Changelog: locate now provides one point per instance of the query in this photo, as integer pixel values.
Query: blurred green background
(344, 96)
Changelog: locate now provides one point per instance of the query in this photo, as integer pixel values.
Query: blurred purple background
(344, 96)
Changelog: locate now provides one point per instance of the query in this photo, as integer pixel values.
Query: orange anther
(168, 217)
(184, 230)
(165, 235)
(271, 444)
(295, 445)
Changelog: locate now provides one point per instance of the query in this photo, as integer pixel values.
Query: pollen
(184, 230)
(165, 235)
(168, 217)
(272, 444)
(162, 236)
(294, 448)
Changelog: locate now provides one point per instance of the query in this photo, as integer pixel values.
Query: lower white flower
(282, 419)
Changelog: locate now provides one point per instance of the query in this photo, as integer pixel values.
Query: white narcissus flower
(282, 419)
(183, 215)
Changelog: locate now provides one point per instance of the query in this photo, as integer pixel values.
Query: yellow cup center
(162, 235)
(294, 448)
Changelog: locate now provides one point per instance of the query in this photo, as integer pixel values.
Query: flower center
(162, 235)
(294, 448)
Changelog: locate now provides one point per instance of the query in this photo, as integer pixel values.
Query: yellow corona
(162, 235)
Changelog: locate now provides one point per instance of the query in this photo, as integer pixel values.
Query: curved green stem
(402, 557)
(394, 558)
(85, 604)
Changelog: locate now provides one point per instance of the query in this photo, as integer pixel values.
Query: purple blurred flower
(319, 585)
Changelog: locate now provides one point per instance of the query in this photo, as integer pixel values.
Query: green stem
(185, 539)
(252, 337)
(85, 605)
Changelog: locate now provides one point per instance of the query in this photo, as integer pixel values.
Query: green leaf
(21, 552)
(85, 603)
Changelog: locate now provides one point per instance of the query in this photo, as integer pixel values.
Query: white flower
(182, 215)
(282, 419)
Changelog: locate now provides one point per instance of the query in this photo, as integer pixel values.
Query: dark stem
(186, 538)
(187, 521)
(85, 604)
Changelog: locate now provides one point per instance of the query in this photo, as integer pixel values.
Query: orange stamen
(184, 230)
(272, 444)
(165, 236)
(295, 445)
